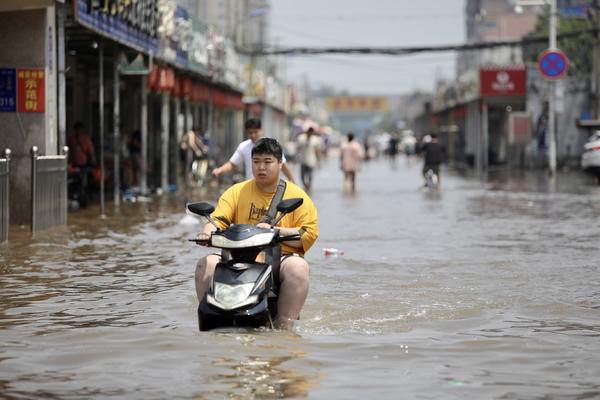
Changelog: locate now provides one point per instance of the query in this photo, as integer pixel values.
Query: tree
(579, 49)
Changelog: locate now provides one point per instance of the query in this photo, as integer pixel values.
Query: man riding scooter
(433, 154)
(247, 203)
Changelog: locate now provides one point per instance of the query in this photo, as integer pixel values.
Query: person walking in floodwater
(309, 155)
(351, 155)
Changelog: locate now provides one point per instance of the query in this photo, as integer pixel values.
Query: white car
(590, 160)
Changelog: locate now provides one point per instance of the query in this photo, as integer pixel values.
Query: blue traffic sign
(8, 90)
(553, 64)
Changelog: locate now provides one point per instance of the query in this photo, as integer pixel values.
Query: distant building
(494, 20)
(245, 22)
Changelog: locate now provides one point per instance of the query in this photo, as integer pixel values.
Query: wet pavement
(488, 289)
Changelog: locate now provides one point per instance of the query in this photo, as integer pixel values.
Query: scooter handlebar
(200, 241)
(289, 238)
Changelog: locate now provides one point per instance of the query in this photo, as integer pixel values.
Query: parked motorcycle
(242, 292)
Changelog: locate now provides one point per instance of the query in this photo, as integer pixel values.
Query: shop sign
(178, 87)
(225, 99)
(500, 82)
(200, 93)
(174, 30)
(31, 84)
(133, 23)
(188, 86)
(357, 103)
(8, 90)
(232, 66)
(196, 47)
(519, 128)
(216, 56)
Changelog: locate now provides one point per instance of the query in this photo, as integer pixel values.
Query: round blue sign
(553, 64)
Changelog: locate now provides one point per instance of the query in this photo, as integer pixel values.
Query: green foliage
(580, 49)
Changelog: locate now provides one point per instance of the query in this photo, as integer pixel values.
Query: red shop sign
(200, 93)
(31, 86)
(177, 89)
(187, 87)
(499, 82)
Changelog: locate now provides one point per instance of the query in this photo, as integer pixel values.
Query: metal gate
(4, 195)
(48, 190)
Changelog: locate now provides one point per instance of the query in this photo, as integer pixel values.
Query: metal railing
(48, 190)
(4, 195)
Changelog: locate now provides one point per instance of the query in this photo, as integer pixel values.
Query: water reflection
(260, 377)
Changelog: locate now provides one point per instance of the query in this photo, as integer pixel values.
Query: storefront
(489, 127)
(28, 93)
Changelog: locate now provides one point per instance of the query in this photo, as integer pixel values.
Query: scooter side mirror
(204, 209)
(289, 205)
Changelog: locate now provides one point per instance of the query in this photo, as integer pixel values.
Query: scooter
(242, 292)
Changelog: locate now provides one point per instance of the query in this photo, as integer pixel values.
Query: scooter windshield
(260, 239)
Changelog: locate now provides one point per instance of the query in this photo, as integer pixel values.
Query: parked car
(590, 159)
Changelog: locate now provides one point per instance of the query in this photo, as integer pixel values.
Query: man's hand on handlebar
(264, 225)
(202, 239)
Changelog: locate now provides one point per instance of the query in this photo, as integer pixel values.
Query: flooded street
(486, 290)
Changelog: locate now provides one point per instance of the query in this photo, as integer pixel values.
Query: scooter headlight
(229, 297)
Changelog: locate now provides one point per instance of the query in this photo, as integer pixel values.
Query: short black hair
(350, 136)
(268, 146)
(253, 123)
(434, 135)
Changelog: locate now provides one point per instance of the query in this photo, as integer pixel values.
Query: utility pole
(596, 80)
(552, 97)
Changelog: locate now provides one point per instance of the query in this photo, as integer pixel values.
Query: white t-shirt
(307, 149)
(243, 155)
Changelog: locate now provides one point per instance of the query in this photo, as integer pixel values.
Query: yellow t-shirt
(245, 203)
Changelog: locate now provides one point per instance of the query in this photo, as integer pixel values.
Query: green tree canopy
(578, 49)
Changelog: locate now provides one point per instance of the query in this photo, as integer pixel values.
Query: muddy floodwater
(488, 290)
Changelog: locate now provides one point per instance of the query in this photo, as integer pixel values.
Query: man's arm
(306, 226)
(283, 232)
(227, 167)
(206, 232)
(287, 172)
(236, 158)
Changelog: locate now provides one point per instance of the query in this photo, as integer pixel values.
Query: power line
(362, 65)
(304, 34)
(399, 51)
(377, 17)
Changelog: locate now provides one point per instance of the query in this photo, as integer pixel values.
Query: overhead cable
(398, 51)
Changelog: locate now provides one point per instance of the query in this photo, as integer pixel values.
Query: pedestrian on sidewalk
(351, 155)
(82, 158)
(243, 153)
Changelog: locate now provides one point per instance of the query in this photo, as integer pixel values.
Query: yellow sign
(357, 103)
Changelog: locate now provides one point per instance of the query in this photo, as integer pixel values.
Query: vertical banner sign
(30, 90)
(8, 90)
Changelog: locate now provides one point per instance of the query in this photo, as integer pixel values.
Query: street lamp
(519, 4)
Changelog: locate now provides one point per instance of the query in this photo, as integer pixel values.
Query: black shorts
(434, 168)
